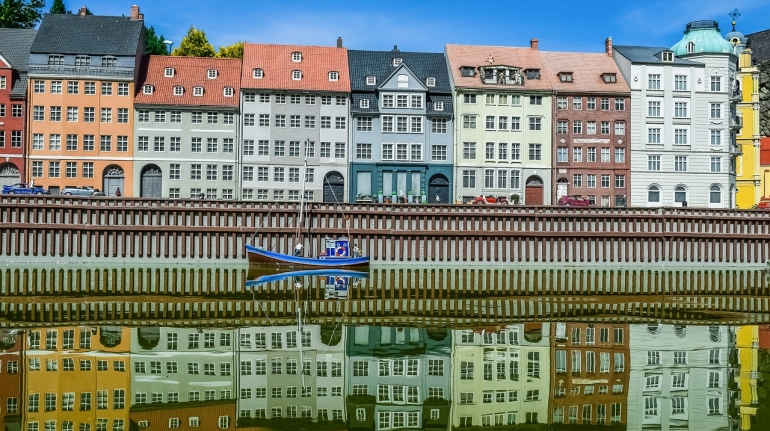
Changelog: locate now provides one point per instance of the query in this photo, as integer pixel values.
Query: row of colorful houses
(641, 126)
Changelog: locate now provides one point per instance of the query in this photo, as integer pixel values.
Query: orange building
(82, 70)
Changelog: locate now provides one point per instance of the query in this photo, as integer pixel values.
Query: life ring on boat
(340, 251)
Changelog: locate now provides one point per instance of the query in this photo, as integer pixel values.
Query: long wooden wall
(126, 229)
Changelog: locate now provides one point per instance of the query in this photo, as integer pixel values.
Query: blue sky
(418, 25)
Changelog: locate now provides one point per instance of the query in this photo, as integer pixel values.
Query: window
(653, 136)
(229, 92)
(577, 103)
(716, 110)
(536, 100)
(565, 76)
(148, 89)
(715, 137)
(198, 91)
(680, 137)
(653, 109)
(716, 164)
(469, 121)
(334, 76)
(535, 123)
(577, 127)
(653, 194)
(653, 82)
(609, 78)
(680, 163)
(716, 83)
(535, 151)
(680, 82)
(296, 75)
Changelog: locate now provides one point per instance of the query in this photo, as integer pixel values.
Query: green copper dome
(702, 37)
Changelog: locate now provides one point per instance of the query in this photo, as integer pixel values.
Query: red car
(490, 200)
(574, 201)
(764, 204)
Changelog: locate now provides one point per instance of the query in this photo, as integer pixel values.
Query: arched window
(653, 194)
(169, 72)
(296, 75)
(680, 194)
(334, 76)
(258, 73)
(690, 47)
(715, 195)
(212, 74)
(178, 90)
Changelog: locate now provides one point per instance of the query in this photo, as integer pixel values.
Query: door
(9, 174)
(113, 180)
(152, 182)
(438, 190)
(561, 188)
(334, 187)
(533, 194)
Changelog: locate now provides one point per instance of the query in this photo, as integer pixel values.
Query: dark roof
(759, 43)
(373, 103)
(14, 46)
(89, 35)
(448, 105)
(648, 55)
(380, 65)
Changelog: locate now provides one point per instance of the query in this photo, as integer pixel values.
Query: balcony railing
(82, 70)
(736, 122)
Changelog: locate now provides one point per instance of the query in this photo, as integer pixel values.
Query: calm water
(158, 348)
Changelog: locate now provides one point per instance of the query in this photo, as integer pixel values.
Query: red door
(534, 191)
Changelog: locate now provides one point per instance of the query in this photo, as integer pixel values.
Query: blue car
(24, 189)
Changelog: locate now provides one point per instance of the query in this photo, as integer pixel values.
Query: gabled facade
(14, 56)
(295, 122)
(683, 120)
(82, 70)
(402, 126)
(502, 99)
(592, 115)
(187, 128)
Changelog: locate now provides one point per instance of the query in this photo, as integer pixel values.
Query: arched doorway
(533, 194)
(112, 178)
(561, 188)
(9, 174)
(151, 182)
(334, 187)
(438, 189)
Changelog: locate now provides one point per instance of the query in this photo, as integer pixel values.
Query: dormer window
(371, 80)
(229, 92)
(565, 76)
(296, 75)
(438, 106)
(467, 71)
(690, 47)
(55, 60)
(334, 76)
(109, 62)
(533, 73)
(364, 104)
(169, 72)
(197, 91)
(296, 57)
(430, 81)
(82, 60)
(397, 61)
(178, 90)
(609, 78)
(148, 89)
(258, 73)
(667, 56)
(212, 74)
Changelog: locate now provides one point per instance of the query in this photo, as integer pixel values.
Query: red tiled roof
(476, 55)
(587, 70)
(189, 72)
(276, 62)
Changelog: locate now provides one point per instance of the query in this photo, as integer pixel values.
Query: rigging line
(261, 305)
(264, 219)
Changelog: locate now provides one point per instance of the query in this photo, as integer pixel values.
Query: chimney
(135, 15)
(395, 48)
(339, 42)
(608, 46)
(83, 11)
(533, 43)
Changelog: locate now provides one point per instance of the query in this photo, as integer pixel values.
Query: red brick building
(10, 379)
(591, 131)
(589, 374)
(14, 58)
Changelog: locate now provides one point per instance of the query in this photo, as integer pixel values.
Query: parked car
(81, 191)
(574, 201)
(764, 204)
(489, 199)
(24, 189)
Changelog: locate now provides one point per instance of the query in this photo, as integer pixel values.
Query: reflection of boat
(337, 255)
(333, 274)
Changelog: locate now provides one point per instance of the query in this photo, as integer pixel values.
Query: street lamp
(168, 44)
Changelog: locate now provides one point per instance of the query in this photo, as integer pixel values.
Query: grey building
(187, 128)
(402, 127)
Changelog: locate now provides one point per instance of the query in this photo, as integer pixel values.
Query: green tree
(20, 13)
(58, 7)
(195, 44)
(153, 44)
(231, 51)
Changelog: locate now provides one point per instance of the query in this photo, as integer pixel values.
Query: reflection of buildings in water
(181, 365)
(500, 376)
(398, 377)
(289, 374)
(76, 378)
(206, 415)
(11, 372)
(747, 346)
(679, 377)
(589, 373)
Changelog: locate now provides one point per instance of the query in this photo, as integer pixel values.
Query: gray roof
(380, 65)
(448, 105)
(373, 103)
(647, 55)
(89, 35)
(760, 45)
(14, 48)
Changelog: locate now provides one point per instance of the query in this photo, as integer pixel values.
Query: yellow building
(77, 378)
(747, 344)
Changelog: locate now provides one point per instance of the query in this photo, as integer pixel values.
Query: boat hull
(259, 255)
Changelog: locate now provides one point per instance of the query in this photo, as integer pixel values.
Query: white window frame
(258, 73)
(212, 74)
(198, 91)
(148, 89)
(296, 75)
(169, 72)
(334, 76)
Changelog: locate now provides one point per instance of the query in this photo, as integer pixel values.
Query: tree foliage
(195, 44)
(153, 44)
(58, 7)
(20, 13)
(231, 51)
